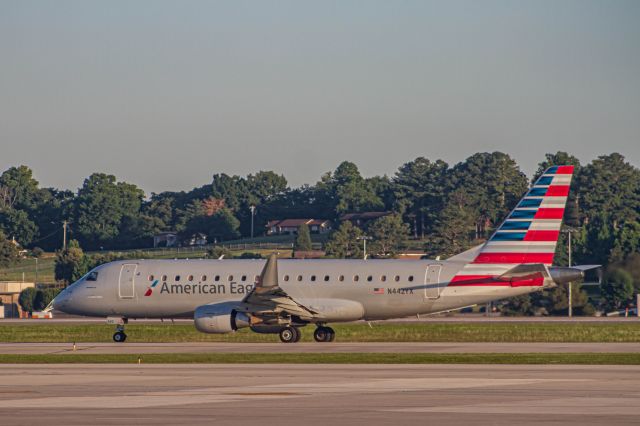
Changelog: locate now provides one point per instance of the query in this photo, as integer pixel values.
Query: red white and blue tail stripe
(529, 234)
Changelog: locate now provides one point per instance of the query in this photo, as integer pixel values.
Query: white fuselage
(175, 288)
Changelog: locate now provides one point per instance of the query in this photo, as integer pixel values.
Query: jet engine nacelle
(220, 318)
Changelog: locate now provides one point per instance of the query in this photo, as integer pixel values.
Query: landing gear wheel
(289, 335)
(324, 334)
(119, 337)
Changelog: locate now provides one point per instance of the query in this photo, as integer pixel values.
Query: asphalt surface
(319, 394)
(142, 348)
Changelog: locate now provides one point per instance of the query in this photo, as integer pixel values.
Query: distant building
(359, 219)
(165, 239)
(9, 294)
(197, 239)
(290, 226)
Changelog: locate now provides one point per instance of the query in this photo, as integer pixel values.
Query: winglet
(269, 275)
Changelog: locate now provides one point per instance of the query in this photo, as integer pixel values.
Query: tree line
(447, 208)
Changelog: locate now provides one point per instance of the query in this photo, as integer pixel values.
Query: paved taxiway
(319, 394)
(336, 347)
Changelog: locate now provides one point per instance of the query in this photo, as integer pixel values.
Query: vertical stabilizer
(529, 234)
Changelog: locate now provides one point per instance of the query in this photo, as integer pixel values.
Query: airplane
(280, 296)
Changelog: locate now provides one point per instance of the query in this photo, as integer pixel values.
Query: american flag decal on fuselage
(528, 235)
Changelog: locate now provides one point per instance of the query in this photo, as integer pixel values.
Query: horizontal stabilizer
(525, 271)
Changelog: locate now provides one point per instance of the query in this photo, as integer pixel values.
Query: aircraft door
(127, 276)
(431, 279)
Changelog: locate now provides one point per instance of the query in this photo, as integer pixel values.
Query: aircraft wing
(268, 299)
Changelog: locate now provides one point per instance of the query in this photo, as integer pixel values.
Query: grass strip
(380, 332)
(328, 358)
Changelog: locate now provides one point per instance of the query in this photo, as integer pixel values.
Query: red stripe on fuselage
(542, 236)
(490, 280)
(557, 191)
(549, 213)
(514, 258)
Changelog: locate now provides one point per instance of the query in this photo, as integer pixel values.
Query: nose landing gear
(119, 336)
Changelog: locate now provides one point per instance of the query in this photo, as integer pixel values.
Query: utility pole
(253, 212)
(36, 270)
(64, 235)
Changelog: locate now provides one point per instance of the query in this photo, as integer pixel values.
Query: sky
(164, 94)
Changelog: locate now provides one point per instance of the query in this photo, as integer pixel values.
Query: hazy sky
(165, 93)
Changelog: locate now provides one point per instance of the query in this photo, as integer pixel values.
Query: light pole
(64, 235)
(253, 212)
(569, 231)
(364, 239)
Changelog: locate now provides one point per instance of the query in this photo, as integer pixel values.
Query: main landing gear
(290, 335)
(324, 334)
(119, 336)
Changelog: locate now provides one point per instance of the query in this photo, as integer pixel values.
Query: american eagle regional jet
(280, 296)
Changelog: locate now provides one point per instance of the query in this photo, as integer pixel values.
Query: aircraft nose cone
(61, 301)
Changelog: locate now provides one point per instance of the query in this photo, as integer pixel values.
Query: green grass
(328, 358)
(383, 332)
(28, 267)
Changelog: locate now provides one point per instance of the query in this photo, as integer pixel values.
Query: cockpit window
(92, 276)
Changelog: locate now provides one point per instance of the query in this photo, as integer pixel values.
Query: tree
(388, 234)
(418, 187)
(347, 191)
(493, 184)
(43, 297)
(344, 243)
(453, 228)
(26, 298)
(217, 251)
(617, 288)
(303, 240)
(100, 206)
(265, 185)
(71, 264)
(610, 185)
(17, 188)
(8, 251)
(16, 224)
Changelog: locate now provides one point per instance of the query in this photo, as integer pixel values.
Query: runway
(145, 348)
(318, 394)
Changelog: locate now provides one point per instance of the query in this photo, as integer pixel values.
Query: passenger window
(216, 278)
(150, 277)
(410, 278)
(326, 277)
(299, 277)
(341, 278)
(203, 278)
(383, 278)
(177, 277)
(164, 278)
(369, 278)
(230, 277)
(93, 276)
(313, 277)
(396, 278)
(244, 278)
(190, 277)
(356, 278)
(286, 278)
